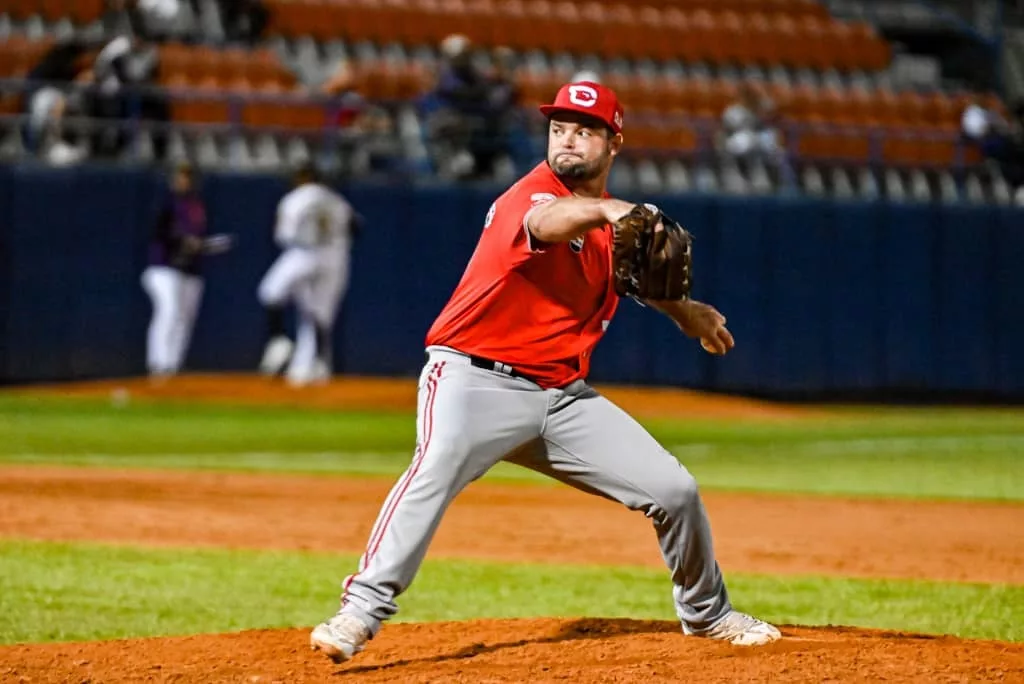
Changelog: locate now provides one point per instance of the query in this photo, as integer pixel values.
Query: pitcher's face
(580, 148)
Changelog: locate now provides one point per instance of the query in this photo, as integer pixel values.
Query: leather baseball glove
(651, 263)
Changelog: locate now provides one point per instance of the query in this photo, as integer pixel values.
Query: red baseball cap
(592, 99)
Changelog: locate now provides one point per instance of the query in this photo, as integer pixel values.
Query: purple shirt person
(178, 235)
(173, 278)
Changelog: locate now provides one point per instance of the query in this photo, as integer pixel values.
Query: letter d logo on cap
(582, 95)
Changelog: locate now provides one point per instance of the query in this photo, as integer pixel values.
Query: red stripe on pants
(403, 485)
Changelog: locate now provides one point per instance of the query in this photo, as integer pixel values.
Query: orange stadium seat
(794, 33)
(869, 51)
(885, 108)
(52, 10)
(650, 25)
(261, 112)
(79, 11)
(624, 37)
(356, 20)
(759, 39)
(817, 49)
(542, 28)
(603, 35)
(646, 95)
(482, 22)
(10, 57)
(231, 64)
(802, 103)
(703, 41)
(511, 25)
(208, 107)
(667, 93)
(572, 37)
(675, 37)
(789, 51)
(731, 46)
(283, 18)
(20, 9)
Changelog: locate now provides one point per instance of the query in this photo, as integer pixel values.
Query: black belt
(496, 366)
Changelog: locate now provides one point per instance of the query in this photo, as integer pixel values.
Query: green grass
(61, 592)
(41, 425)
(935, 453)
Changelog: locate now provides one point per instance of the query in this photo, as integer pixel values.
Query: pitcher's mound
(548, 650)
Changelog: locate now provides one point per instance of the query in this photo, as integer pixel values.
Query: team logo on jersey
(577, 244)
(490, 216)
(582, 95)
(541, 197)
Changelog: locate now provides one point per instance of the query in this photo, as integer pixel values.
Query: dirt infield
(978, 542)
(771, 534)
(583, 650)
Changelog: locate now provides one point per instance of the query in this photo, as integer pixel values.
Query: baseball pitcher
(314, 228)
(506, 377)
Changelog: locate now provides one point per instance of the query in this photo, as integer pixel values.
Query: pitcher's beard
(576, 170)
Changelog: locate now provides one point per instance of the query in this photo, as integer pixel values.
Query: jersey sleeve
(507, 218)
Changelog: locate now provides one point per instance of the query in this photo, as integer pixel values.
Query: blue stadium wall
(824, 298)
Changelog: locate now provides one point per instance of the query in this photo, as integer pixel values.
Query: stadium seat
(202, 103)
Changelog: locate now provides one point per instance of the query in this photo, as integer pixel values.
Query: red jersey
(541, 311)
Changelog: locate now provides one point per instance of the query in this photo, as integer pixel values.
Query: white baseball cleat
(340, 638)
(276, 354)
(740, 629)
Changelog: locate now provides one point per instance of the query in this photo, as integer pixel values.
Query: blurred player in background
(315, 226)
(173, 280)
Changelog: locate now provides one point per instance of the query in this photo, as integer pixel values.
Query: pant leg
(287, 274)
(160, 284)
(304, 356)
(327, 286)
(190, 294)
(316, 300)
(467, 420)
(595, 446)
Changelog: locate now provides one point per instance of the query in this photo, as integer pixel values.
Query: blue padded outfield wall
(824, 298)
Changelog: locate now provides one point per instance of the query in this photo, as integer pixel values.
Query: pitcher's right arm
(566, 218)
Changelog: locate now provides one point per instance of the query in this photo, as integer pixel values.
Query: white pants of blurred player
(315, 280)
(176, 297)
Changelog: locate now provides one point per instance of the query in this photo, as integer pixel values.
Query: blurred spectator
(999, 140)
(46, 99)
(378, 148)
(509, 131)
(750, 133)
(153, 20)
(463, 122)
(986, 128)
(341, 79)
(106, 100)
(243, 20)
(370, 142)
(749, 125)
(122, 18)
(121, 75)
